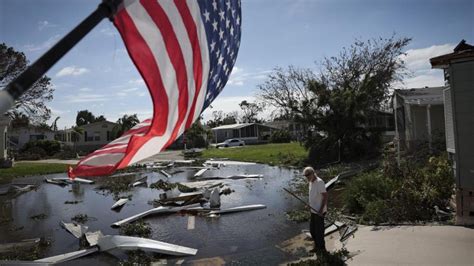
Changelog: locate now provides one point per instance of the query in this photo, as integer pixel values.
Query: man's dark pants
(316, 228)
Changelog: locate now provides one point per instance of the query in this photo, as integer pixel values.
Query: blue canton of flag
(222, 21)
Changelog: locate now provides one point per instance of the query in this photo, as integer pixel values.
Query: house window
(88, 138)
(97, 135)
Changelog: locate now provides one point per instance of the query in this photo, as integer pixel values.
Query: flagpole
(25, 80)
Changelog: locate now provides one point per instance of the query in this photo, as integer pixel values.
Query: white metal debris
(23, 244)
(119, 203)
(200, 172)
(157, 210)
(136, 243)
(215, 198)
(75, 180)
(203, 184)
(93, 237)
(76, 230)
(69, 256)
(225, 163)
(165, 173)
(239, 209)
(232, 177)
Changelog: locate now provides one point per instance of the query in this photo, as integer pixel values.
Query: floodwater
(241, 238)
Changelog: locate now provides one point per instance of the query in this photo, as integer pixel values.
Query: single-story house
(19, 136)
(251, 133)
(295, 129)
(94, 136)
(419, 116)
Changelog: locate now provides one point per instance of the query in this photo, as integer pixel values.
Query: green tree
(123, 124)
(32, 103)
(250, 111)
(335, 104)
(85, 117)
(197, 135)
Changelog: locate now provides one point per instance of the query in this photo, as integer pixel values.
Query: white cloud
(72, 71)
(239, 76)
(85, 98)
(418, 63)
(85, 89)
(44, 45)
(137, 82)
(108, 31)
(45, 24)
(416, 59)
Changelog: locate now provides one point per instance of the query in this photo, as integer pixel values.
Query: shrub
(50, 147)
(280, 136)
(405, 193)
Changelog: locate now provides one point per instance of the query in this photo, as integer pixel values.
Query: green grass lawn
(290, 154)
(27, 169)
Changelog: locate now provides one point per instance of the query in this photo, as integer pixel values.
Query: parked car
(230, 143)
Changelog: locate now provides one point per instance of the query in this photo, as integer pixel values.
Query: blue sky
(99, 76)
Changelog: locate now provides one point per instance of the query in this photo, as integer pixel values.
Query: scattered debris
(80, 218)
(61, 183)
(165, 173)
(24, 244)
(239, 209)
(191, 222)
(39, 216)
(119, 203)
(164, 185)
(69, 256)
(93, 237)
(347, 232)
(234, 177)
(135, 243)
(202, 184)
(139, 228)
(76, 230)
(226, 191)
(224, 163)
(200, 172)
(298, 216)
(172, 196)
(161, 209)
(139, 183)
(119, 184)
(68, 180)
(72, 202)
(215, 199)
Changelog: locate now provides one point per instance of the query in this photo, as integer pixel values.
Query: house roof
(462, 52)
(233, 126)
(239, 126)
(98, 123)
(422, 96)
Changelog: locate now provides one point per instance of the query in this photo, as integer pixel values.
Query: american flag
(185, 51)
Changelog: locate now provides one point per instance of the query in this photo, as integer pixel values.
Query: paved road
(413, 245)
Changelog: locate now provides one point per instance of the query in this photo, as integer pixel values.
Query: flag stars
(214, 5)
(238, 20)
(214, 25)
(213, 45)
(228, 5)
(221, 34)
(222, 15)
(207, 16)
(227, 23)
(220, 60)
(232, 30)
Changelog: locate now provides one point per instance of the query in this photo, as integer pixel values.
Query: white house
(19, 136)
(94, 135)
(249, 132)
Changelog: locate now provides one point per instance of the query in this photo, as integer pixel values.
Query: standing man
(318, 199)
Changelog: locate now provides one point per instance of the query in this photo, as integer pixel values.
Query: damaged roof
(422, 96)
(462, 52)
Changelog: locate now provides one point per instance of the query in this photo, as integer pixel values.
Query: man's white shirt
(316, 188)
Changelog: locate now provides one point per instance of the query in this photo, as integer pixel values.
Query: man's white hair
(308, 170)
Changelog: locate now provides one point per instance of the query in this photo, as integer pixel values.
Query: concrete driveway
(412, 245)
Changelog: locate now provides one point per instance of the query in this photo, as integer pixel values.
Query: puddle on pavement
(246, 237)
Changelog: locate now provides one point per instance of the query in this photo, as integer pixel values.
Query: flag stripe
(185, 51)
(174, 51)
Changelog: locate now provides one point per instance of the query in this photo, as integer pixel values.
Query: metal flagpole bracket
(25, 80)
